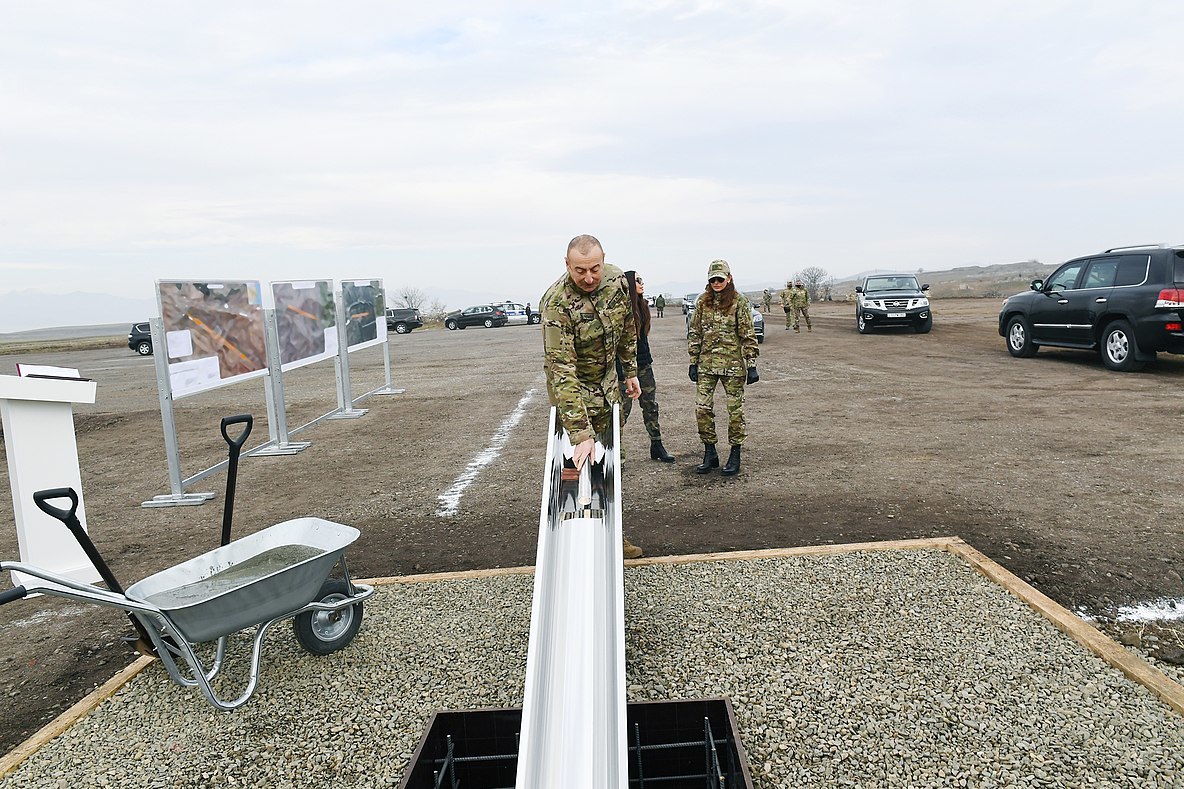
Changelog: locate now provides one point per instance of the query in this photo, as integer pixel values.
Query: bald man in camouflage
(587, 327)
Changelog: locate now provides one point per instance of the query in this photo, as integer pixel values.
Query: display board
(213, 331)
(306, 321)
(365, 312)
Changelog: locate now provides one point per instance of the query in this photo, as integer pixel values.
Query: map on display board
(213, 333)
(306, 322)
(365, 312)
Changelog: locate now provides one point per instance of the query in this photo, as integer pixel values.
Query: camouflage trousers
(788, 317)
(601, 416)
(705, 407)
(648, 401)
(805, 313)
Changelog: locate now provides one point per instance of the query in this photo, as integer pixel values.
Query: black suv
(139, 339)
(892, 300)
(1125, 303)
(402, 321)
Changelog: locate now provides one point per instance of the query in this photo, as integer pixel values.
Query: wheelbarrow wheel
(325, 632)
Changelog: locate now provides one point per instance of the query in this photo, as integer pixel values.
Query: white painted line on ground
(1162, 610)
(450, 499)
(1165, 609)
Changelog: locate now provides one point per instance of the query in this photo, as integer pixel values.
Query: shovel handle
(242, 419)
(41, 499)
(16, 593)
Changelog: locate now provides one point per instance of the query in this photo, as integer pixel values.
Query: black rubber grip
(41, 499)
(16, 593)
(241, 419)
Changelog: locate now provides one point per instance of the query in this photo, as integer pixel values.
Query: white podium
(39, 440)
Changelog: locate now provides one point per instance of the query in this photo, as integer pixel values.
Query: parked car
(485, 315)
(688, 302)
(1126, 304)
(892, 300)
(139, 339)
(401, 320)
(516, 313)
(758, 321)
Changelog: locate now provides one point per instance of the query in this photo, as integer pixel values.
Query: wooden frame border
(1132, 666)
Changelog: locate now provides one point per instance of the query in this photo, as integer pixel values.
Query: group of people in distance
(596, 323)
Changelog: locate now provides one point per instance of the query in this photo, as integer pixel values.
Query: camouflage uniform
(799, 302)
(786, 299)
(648, 400)
(724, 346)
(767, 299)
(584, 334)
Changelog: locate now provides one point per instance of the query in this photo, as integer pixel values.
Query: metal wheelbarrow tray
(263, 576)
(281, 572)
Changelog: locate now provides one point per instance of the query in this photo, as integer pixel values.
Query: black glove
(753, 376)
(693, 373)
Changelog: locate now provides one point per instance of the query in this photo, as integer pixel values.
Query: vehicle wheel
(450, 325)
(1118, 348)
(144, 348)
(536, 317)
(760, 338)
(324, 632)
(924, 326)
(1019, 338)
(860, 324)
(401, 328)
(489, 323)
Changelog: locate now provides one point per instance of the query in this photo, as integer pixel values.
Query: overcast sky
(461, 144)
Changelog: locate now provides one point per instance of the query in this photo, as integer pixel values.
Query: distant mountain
(26, 310)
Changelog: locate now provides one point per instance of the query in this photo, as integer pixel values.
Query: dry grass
(51, 346)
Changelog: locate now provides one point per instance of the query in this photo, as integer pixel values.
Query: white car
(517, 313)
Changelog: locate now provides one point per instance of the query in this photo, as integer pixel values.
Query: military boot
(733, 464)
(629, 550)
(710, 459)
(658, 452)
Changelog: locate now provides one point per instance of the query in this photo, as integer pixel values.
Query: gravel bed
(894, 668)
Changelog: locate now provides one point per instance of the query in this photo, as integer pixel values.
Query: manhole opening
(685, 744)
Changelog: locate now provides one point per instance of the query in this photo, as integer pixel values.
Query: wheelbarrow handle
(242, 419)
(16, 593)
(41, 499)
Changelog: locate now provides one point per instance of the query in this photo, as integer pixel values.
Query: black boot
(733, 464)
(710, 460)
(658, 452)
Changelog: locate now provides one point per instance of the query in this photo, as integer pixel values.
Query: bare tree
(813, 278)
(409, 298)
(435, 311)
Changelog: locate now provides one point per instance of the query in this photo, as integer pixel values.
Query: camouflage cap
(719, 268)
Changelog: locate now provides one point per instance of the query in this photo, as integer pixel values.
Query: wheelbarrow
(281, 572)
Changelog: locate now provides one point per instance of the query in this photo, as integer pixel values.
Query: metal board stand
(277, 416)
(345, 401)
(176, 497)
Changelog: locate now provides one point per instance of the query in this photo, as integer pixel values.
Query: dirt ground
(1056, 468)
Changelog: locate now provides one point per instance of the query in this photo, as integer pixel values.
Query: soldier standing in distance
(786, 300)
(587, 327)
(660, 304)
(799, 301)
(721, 341)
(767, 300)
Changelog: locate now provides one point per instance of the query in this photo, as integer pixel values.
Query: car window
(1100, 273)
(1065, 278)
(1132, 270)
(1179, 273)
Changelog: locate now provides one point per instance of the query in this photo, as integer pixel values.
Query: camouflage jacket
(799, 297)
(584, 334)
(786, 297)
(722, 343)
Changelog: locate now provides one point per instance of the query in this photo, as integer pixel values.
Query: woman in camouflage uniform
(722, 344)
